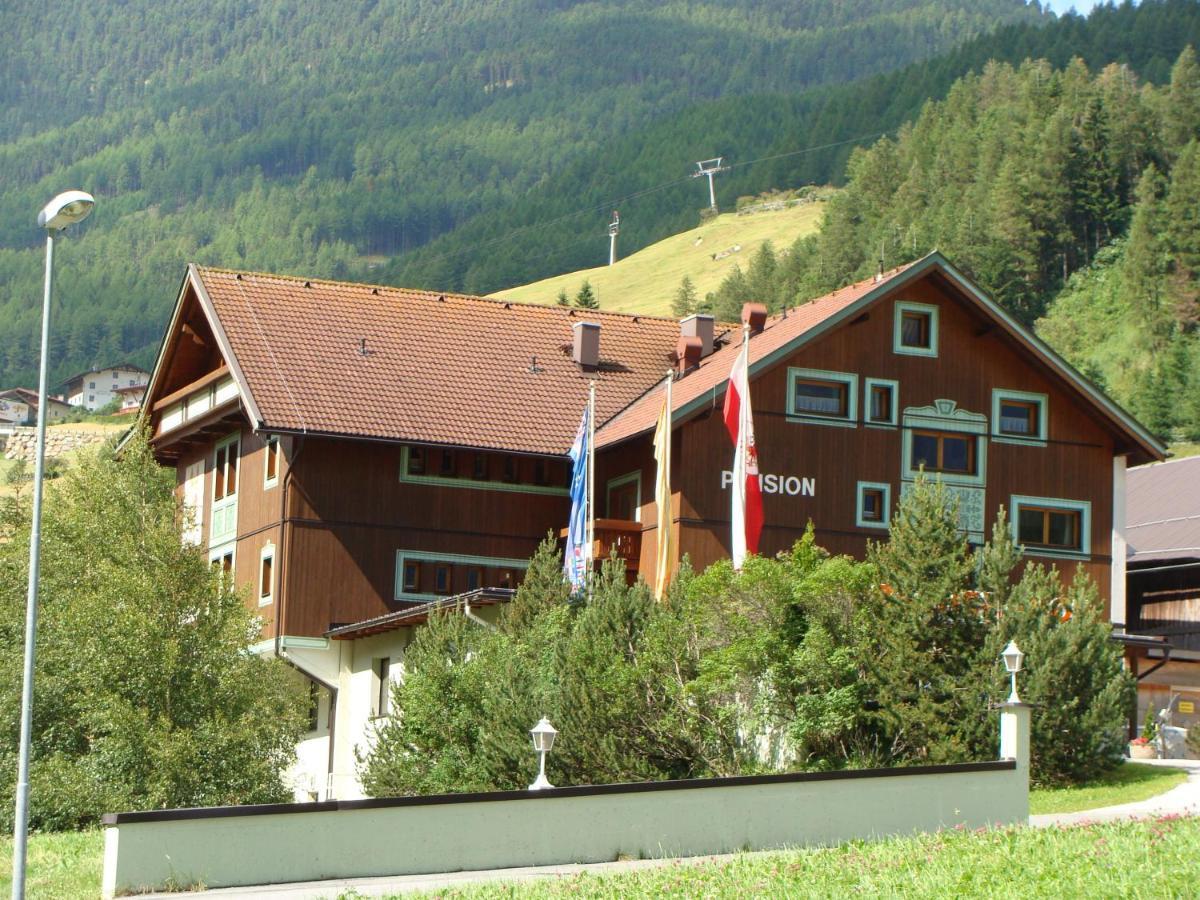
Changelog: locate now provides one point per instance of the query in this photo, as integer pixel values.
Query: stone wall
(22, 443)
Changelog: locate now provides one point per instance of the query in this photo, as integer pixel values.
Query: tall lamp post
(65, 209)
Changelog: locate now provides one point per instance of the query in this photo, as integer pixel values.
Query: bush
(806, 661)
(145, 696)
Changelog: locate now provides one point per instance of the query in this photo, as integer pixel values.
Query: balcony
(621, 535)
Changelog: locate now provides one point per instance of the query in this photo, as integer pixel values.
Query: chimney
(754, 315)
(688, 351)
(586, 344)
(699, 326)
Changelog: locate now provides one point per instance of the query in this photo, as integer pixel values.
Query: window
(225, 470)
(822, 397)
(446, 573)
(411, 583)
(91, 385)
(510, 469)
(874, 505)
(383, 684)
(881, 401)
(446, 467)
(271, 473)
(442, 581)
(474, 578)
(223, 563)
(479, 467)
(1052, 527)
(916, 329)
(416, 460)
(1019, 417)
(941, 451)
(540, 470)
(266, 576)
(623, 497)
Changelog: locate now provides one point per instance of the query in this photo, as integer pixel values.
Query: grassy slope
(646, 281)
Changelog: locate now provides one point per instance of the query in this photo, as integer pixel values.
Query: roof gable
(788, 332)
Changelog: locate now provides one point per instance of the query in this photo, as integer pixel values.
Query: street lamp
(65, 209)
(1012, 661)
(543, 734)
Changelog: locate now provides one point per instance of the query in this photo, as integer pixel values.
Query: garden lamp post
(65, 209)
(543, 734)
(1012, 661)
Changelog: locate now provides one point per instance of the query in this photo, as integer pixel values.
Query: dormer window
(916, 329)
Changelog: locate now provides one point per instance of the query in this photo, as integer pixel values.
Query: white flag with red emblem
(747, 518)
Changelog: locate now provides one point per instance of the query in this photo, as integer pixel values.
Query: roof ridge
(364, 285)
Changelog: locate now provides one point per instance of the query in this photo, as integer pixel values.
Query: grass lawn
(1128, 784)
(1136, 859)
(59, 865)
(1128, 859)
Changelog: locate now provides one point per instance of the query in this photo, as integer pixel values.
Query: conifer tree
(562, 299)
(1146, 258)
(586, 298)
(1181, 111)
(684, 302)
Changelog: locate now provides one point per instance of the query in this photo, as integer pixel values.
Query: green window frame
(844, 383)
(1077, 512)
(870, 387)
(415, 462)
(905, 313)
(404, 557)
(862, 514)
(1039, 403)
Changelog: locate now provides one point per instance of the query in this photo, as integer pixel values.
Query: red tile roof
(710, 378)
(1162, 512)
(438, 368)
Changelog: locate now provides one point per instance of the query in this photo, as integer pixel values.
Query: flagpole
(662, 487)
(591, 483)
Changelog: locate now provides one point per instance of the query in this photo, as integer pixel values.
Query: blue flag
(577, 557)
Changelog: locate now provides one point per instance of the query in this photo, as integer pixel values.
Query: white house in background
(20, 406)
(131, 397)
(97, 388)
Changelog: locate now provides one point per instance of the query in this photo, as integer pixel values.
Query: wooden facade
(356, 527)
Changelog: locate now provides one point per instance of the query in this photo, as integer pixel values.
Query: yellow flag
(665, 557)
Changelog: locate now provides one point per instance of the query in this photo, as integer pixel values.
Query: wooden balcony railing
(620, 534)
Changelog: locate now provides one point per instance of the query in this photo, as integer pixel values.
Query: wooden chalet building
(1161, 626)
(351, 454)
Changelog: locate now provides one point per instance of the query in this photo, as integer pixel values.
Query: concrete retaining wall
(412, 835)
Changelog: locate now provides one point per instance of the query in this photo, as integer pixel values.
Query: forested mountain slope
(1072, 197)
(330, 135)
(771, 140)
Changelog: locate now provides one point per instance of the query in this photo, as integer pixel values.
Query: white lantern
(1013, 657)
(543, 734)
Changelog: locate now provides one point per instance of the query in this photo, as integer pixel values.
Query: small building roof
(419, 614)
(27, 396)
(1162, 511)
